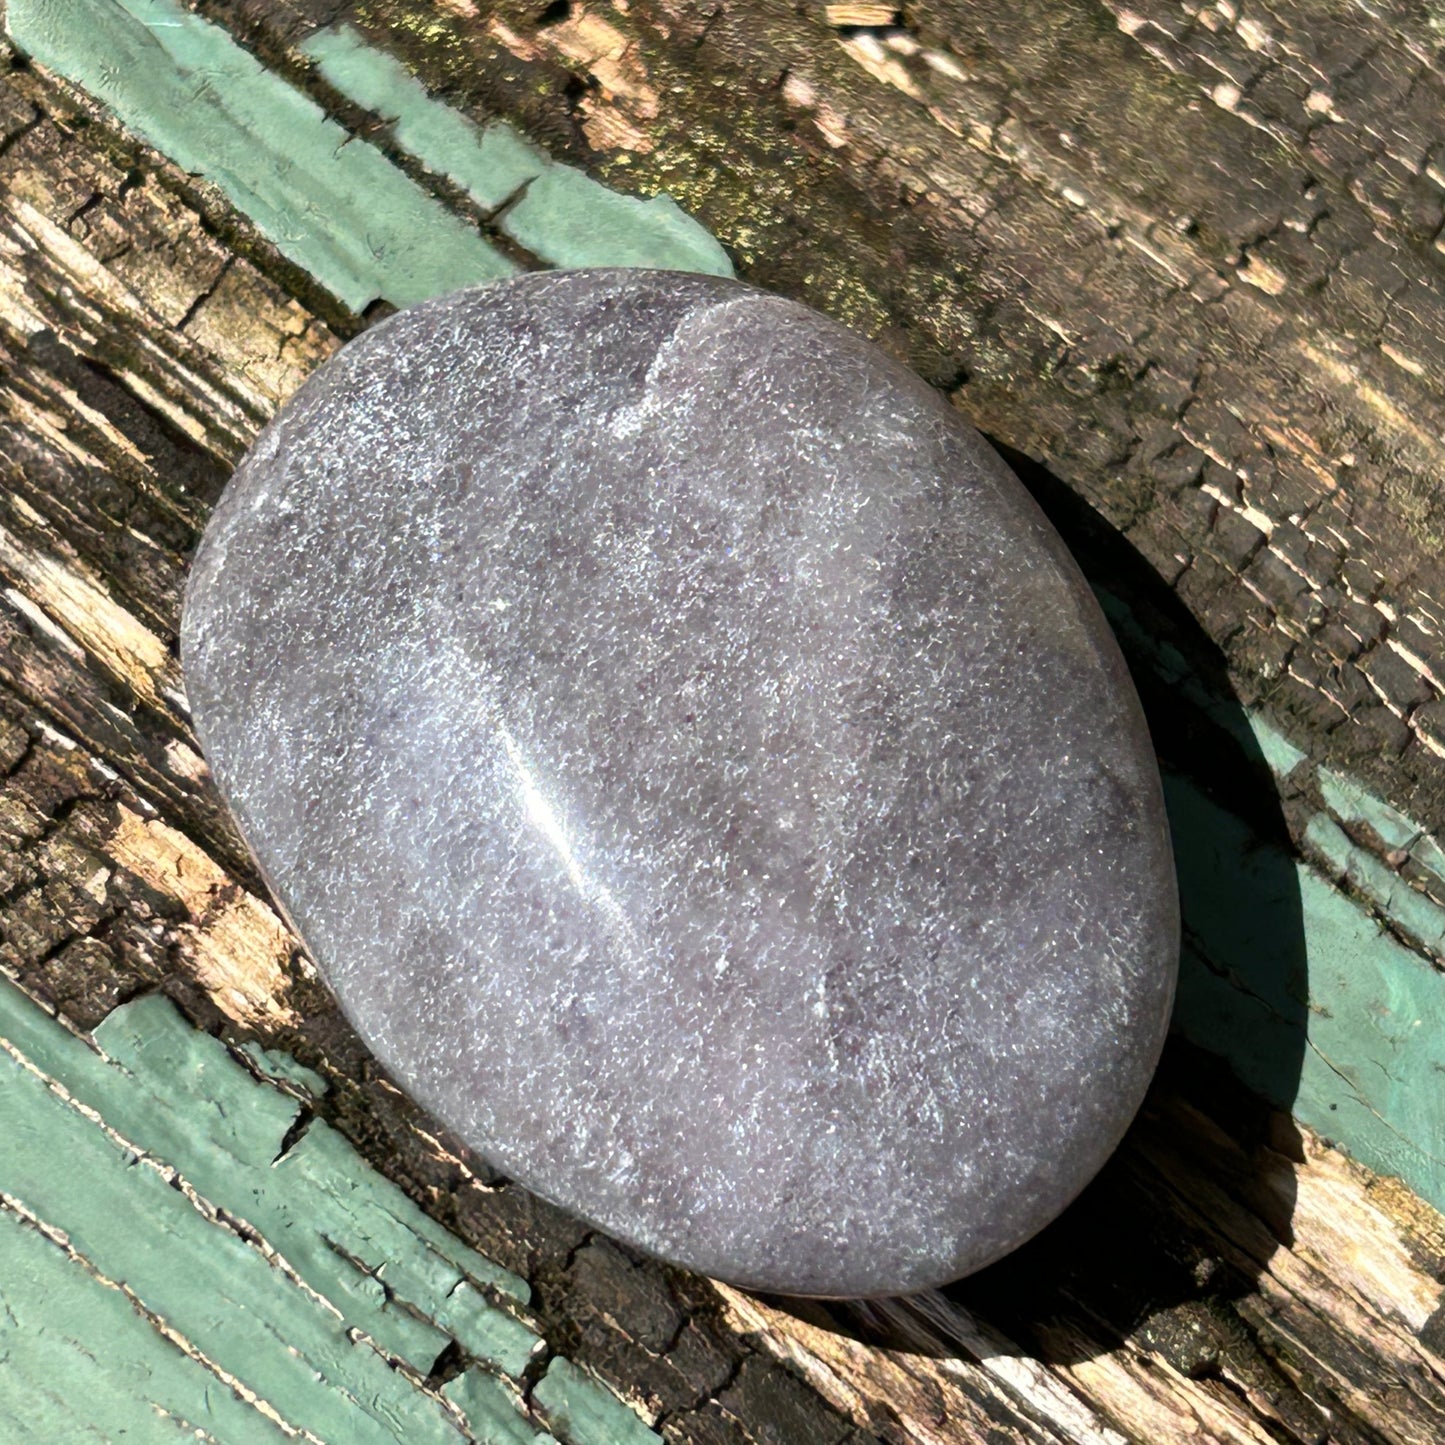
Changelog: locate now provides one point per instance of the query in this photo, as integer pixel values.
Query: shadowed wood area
(1183, 263)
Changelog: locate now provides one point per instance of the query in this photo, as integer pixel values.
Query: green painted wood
(319, 1204)
(215, 1288)
(407, 1251)
(1376, 1061)
(557, 212)
(492, 1409)
(44, 1413)
(1312, 1001)
(1341, 1033)
(1411, 911)
(331, 203)
(1346, 799)
(158, 1098)
(66, 1335)
(284, 1069)
(580, 1411)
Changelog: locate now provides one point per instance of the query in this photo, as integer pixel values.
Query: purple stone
(704, 777)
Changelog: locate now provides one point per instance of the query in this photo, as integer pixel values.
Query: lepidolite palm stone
(704, 777)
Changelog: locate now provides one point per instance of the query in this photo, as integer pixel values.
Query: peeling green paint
(1313, 1005)
(579, 1410)
(284, 1069)
(1408, 909)
(331, 203)
(1376, 1059)
(1352, 804)
(569, 220)
(557, 212)
(212, 1286)
(1279, 753)
(173, 1138)
(1307, 997)
(1347, 800)
(493, 1409)
(78, 1359)
(491, 165)
(1412, 911)
(308, 1197)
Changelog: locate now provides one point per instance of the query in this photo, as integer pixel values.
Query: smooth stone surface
(705, 779)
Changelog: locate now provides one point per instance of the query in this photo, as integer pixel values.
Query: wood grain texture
(1231, 1276)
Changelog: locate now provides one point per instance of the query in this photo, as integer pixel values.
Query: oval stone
(706, 780)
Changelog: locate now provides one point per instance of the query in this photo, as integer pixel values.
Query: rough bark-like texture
(1203, 288)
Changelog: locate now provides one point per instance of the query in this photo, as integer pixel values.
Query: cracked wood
(1230, 1277)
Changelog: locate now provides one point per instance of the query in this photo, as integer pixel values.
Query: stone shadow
(1166, 1237)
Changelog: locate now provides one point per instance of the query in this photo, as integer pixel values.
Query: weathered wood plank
(1231, 1276)
(260, 1281)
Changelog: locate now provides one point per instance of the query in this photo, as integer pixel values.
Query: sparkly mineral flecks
(704, 777)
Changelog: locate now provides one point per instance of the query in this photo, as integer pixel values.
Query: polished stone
(704, 777)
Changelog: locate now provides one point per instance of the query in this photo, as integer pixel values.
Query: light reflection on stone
(704, 777)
